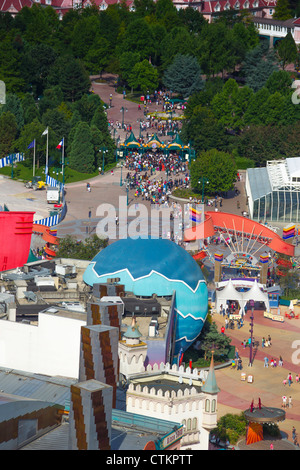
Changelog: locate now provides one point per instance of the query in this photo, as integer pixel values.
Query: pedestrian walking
(290, 402)
(266, 361)
(284, 401)
(290, 379)
(269, 341)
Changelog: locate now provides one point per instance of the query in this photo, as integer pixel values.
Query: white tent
(228, 293)
(256, 294)
(231, 293)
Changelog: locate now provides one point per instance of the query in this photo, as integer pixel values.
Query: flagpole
(34, 157)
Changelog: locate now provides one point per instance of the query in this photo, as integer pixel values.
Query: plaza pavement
(236, 395)
(16, 197)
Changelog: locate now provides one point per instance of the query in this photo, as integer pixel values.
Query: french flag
(61, 143)
(180, 357)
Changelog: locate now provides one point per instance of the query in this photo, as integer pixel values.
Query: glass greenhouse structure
(274, 191)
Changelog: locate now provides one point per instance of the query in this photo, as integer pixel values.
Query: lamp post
(203, 180)
(121, 182)
(140, 134)
(12, 158)
(127, 184)
(251, 333)
(123, 110)
(104, 150)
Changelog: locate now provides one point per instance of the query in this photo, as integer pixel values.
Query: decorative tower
(264, 264)
(210, 390)
(132, 351)
(218, 266)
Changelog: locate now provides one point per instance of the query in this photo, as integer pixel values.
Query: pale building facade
(180, 395)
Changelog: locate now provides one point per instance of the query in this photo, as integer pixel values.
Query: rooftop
(167, 382)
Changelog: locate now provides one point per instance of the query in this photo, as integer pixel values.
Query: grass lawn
(23, 173)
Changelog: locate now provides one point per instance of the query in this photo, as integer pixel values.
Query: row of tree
(82, 124)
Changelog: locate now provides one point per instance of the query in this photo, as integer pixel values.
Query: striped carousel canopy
(131, 142)
(176, 144)
(154, 142)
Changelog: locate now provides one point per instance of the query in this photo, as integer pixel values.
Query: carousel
(259, 415)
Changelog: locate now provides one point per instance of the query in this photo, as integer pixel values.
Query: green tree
(216, 48)
(127, 61)
(177, 41)
(289, 282)
(86, 30)
(36, 62)
(259, 64)
(13, 105)
(87, 106)
(282, 10)
(138, 37)
(231, 427)
(30, 109)
(38, 24)
(58, 122)
(192, 19)
(256, 112)
(230, 105)
(217, 167)
(99, 120)
(214, 341)
(204, 130)
(8, 133)
(10, 67)
(98, 56)
(82, 156)
(287, 50)
(280, 81)
(205, 96)
(32, 131)
(69, 247)
(183, 76)
(51, 99)
(144, 77)
(70, 76)
(261, 143)
(144, 7)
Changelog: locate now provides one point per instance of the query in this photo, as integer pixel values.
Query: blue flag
(31, 145)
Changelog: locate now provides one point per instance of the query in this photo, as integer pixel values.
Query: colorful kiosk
(256, 416)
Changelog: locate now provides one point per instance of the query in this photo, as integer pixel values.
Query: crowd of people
(154, 176)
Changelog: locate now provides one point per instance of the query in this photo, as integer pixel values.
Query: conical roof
(154, 142)
(132, 331)
(132, 142)
(176, 144)
(210, 385)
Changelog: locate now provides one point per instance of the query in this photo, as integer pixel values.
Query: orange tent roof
(215, 221)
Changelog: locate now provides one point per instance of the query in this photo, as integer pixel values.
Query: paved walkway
(18, 198)
(131, 114)
(236, 395)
